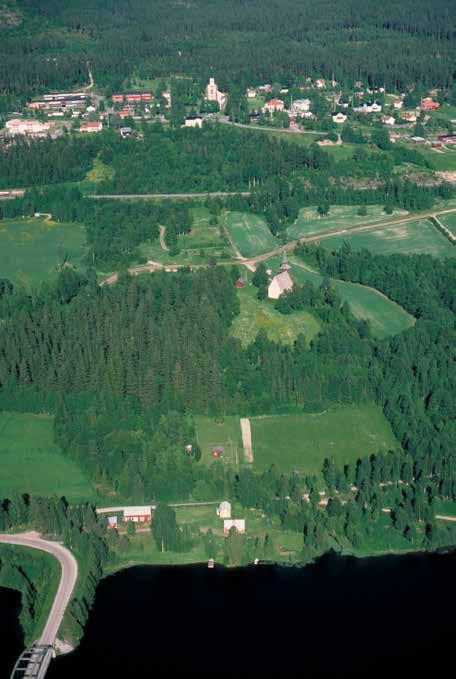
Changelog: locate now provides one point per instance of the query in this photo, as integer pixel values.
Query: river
(339, 615)
(11, 636)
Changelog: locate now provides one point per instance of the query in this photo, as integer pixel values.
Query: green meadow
(419, 237)
(256, 316)
(250, 233)
(302, 441)
(222, 432)
(31, 249)
(385, 316)
(32, 463)
(339, 217)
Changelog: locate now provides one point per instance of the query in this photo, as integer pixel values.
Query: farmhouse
(31, 128)
(409, 116)
(398, 104)
(274, 105)
(282, 282)
(224, 510)
(91, 126)
(214, 94)
(339, 118)
(238, 524)
(138, 514)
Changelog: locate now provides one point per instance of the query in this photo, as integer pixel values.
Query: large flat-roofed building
(24, 126)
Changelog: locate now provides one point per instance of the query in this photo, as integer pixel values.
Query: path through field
(247, 439)
(162, 239)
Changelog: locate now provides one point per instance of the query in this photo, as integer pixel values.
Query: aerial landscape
(227, 336)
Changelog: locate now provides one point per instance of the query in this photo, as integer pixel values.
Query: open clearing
(420, 237)
(220, 433)
(202, 235)
(450, 222)
(31, 462)
(339, 217)
(301, 442)
(250, 233)
(385, 316)
(256, 316)
(32, 248)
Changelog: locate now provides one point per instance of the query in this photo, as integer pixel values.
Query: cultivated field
(215, 433)
(450, 222)
(419, 237)
(250, 233)
(30, 462)
(385, 316)
(256, 316)
(31, 249)
(301, 442)
(339, 217)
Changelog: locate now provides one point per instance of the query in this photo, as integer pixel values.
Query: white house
(339, 118)
(251, 93)
(300, 106)
(398, 104)
(320, 83)
(138, 514)
(274, 105)
(224, 510)
(388, 120)
(214, 94)
(282, 282)
(238, 524)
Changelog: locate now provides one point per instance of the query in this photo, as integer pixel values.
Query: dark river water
(340, 615)
(11, 637)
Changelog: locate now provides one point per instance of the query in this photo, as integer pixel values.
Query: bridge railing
(33, 662)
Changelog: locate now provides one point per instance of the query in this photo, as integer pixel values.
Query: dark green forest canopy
(388, 43)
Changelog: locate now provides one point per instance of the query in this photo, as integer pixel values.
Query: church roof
(283, 280)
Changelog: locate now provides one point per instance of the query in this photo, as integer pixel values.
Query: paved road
(69, 574)
(285, 130)
(166, 196)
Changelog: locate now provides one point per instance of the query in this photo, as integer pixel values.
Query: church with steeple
(282, 282)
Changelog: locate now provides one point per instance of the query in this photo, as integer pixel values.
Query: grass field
(202, 235)
(339, 217)
(225, 433)
(385, 316)
(412, 238)
(450, 222)
(30, 461)
(301, 442)
(256, 315)
(31, 249)
(250, 233)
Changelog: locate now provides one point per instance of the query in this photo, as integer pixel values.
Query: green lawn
(224, 433)
(250, 233)
(339, 217)
(385, 316)
(420, 237)
(301, 442)
(256, 315)
(31, 462)
(32, 248)
(450, 222)
(202, 235)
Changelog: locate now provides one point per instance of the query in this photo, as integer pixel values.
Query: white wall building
(300, 106)
(193, 122)
(23, 126)
(238, 524)
(339, 118)
(274, 105)
(224, 510)
(214, 94)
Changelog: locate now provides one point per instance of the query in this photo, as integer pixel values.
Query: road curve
(68, 577)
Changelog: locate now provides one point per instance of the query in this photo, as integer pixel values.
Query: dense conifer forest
(47, 43)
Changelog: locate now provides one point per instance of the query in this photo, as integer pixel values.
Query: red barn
(133, 97)
(117, 98)
(146, 96)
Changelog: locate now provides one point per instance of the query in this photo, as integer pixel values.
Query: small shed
(112, 521)
(224, 510)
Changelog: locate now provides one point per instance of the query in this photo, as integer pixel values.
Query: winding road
(68, 577)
